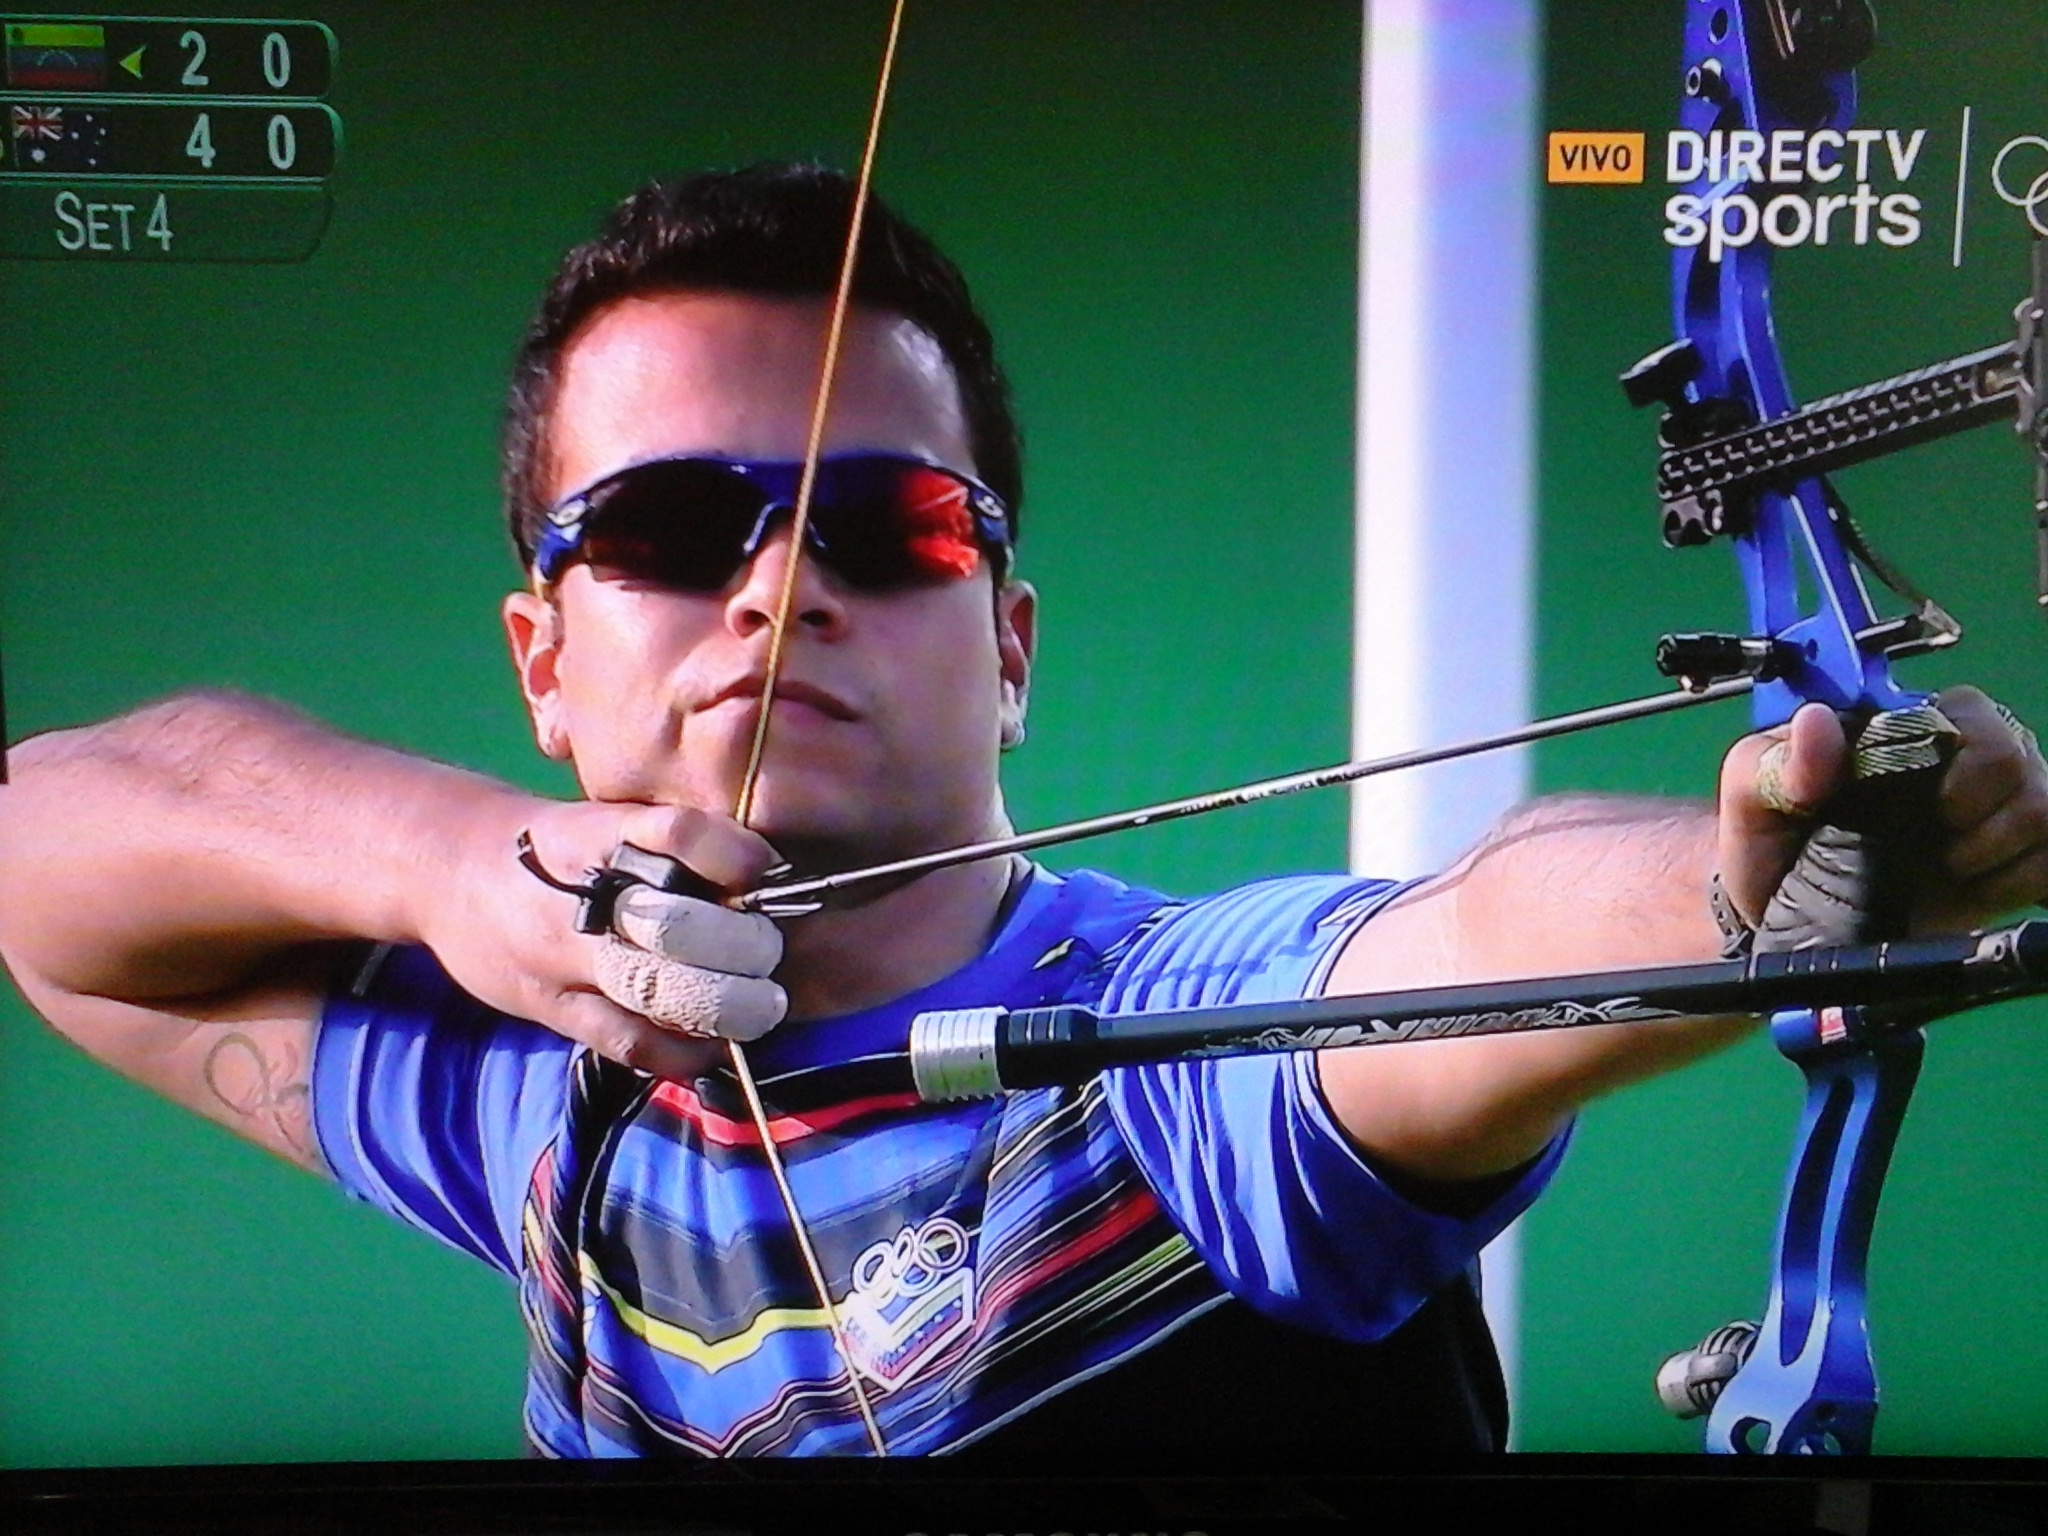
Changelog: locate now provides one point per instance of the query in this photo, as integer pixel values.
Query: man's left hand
(1993, 804)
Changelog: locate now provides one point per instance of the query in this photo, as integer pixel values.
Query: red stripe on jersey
(1118, 1222)
(685, 1103)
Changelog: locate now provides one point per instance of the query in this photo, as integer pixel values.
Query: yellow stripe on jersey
(673, 1339)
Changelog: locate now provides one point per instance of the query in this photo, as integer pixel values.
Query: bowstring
(743, 811)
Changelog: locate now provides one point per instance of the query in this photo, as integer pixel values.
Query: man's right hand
(172, 884)
(656, 994)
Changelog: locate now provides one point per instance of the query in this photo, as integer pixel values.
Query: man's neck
(842, 960)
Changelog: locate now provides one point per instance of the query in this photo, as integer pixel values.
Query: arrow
(133, 63)
(800, 898)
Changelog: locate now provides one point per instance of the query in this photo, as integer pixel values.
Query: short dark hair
(777, 229)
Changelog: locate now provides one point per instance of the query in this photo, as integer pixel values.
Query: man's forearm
(1566, 885)
(1584, 882)
(172, 851)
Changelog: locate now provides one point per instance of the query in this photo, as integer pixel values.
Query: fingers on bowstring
(592, 1019)
(725, 853)
(693, 967)
(689, 999)
(698, 932)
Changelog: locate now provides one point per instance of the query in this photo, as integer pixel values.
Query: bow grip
(1860, 871)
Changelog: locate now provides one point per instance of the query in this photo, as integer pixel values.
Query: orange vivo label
(1596, 157)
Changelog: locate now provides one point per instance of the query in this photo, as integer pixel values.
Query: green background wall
(282, 479)
(1659, 1228)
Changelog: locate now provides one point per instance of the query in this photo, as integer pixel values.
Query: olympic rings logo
(911, 1263)
(2035, 198)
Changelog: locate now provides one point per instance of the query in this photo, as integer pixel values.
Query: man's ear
(1016, 644)
(533, 628)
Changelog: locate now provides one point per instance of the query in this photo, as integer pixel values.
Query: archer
(332, 949)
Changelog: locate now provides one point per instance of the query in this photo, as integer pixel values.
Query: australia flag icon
(62, 139)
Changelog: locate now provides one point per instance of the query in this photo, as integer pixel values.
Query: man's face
(889, 708)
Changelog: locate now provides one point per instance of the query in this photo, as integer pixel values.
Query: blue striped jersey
(984, 1257)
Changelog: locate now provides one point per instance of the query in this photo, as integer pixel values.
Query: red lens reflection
(938, 529)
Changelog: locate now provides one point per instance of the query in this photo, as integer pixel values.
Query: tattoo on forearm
(257, 1086)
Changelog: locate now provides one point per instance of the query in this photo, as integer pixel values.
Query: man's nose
(815, 604)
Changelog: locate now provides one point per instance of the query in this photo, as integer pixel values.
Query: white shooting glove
(692, 966)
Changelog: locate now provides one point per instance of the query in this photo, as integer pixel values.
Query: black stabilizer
(1047, 1047)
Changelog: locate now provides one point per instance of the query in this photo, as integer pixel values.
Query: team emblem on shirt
(912, 1296)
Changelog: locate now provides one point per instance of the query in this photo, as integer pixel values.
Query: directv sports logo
(1839, 187)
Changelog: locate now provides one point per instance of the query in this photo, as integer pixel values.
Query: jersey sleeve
(1244, 1153)
(434, 1108)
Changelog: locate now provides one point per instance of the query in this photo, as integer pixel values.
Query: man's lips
(787, 690)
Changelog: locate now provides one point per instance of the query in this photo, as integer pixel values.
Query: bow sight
(1716, 457)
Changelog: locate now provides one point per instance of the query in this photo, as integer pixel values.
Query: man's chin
(813, 850)
(821, 823)
(826, 845)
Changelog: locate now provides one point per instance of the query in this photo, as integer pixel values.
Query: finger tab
(662, 873)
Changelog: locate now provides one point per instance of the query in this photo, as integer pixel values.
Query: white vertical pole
(1442, 636)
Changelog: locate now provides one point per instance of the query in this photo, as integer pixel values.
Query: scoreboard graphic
(187, 139)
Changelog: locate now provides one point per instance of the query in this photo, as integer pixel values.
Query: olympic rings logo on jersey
(915, 1261)
(2032, 201)
(913, 1294)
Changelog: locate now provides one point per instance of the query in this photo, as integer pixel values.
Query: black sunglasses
(881, 522)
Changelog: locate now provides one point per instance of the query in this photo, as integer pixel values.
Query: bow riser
(1809, 1384)
(1723, 306)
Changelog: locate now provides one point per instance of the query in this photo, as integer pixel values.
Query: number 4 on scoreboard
(159, 226)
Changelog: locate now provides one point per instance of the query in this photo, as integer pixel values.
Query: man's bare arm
(172, 882)
(168, 882)
(1585, 884)
(243, 1061)
(1563, 885)
(172, 852)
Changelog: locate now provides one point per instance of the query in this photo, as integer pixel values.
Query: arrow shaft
(799, 896)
